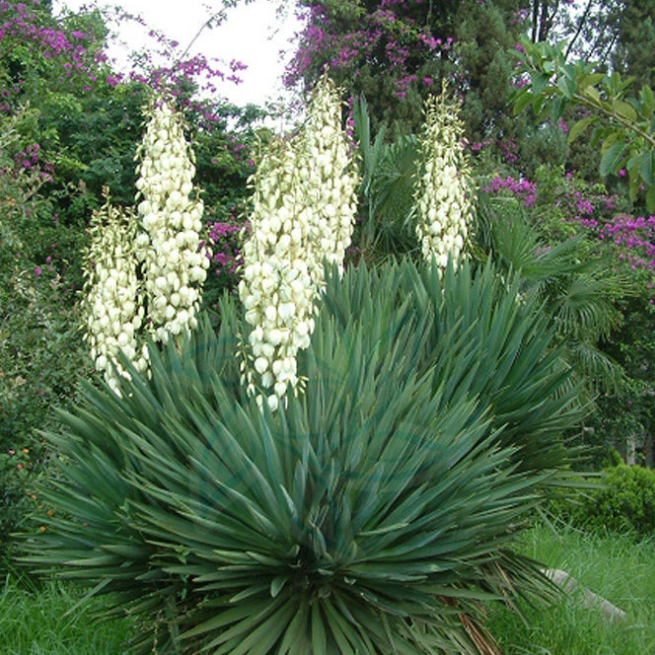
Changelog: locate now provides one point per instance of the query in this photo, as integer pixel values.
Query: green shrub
(373, 513)
(622, 500)
(41, 355)
(15, 475)
(628, 501)
(41, 358)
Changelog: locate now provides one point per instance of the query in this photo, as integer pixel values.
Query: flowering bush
(601, 293)
(30, 36)
(389, 32)
(523, 189)
(40, 353)
(22, 175)
(565, 205)
(634, 237)
(226, 239)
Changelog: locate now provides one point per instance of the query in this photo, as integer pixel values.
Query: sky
(252, 34)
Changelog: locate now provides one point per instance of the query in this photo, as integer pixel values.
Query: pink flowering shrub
(524, 190)
(225, 237)
(395, 52)
(564, 206)
(634, 239)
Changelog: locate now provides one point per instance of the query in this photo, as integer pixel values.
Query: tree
(623, 123)
(634, 54)
(395, 54)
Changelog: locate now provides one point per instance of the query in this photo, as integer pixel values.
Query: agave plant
(372, 514)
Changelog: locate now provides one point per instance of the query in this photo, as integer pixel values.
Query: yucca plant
(486, 340)
(372, 514)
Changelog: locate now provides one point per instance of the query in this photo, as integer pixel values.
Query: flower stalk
(175, 260)
(113, 302)
(303, 212)
(145, 269)
(443, 189)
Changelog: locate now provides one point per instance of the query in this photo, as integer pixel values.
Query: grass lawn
(615, 567)
(35, 622)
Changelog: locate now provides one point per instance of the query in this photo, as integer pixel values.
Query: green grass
(615, 567)
(34, 622)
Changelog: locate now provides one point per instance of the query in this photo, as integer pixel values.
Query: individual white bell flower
(443, 190)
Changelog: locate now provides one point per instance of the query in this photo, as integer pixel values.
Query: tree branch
(629, 125)
(581, 22)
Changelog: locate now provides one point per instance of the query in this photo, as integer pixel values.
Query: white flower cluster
(277, 290)
(303, 211)
(328, 179)
(158, 263)
(175, 262)
(113, 302)
(443, 190)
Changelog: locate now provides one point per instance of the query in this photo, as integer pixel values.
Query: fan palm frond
(576, 294)
(388, 171)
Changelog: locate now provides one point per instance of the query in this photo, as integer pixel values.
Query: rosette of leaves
(372, 514)
(508, 359)
(443, 189)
